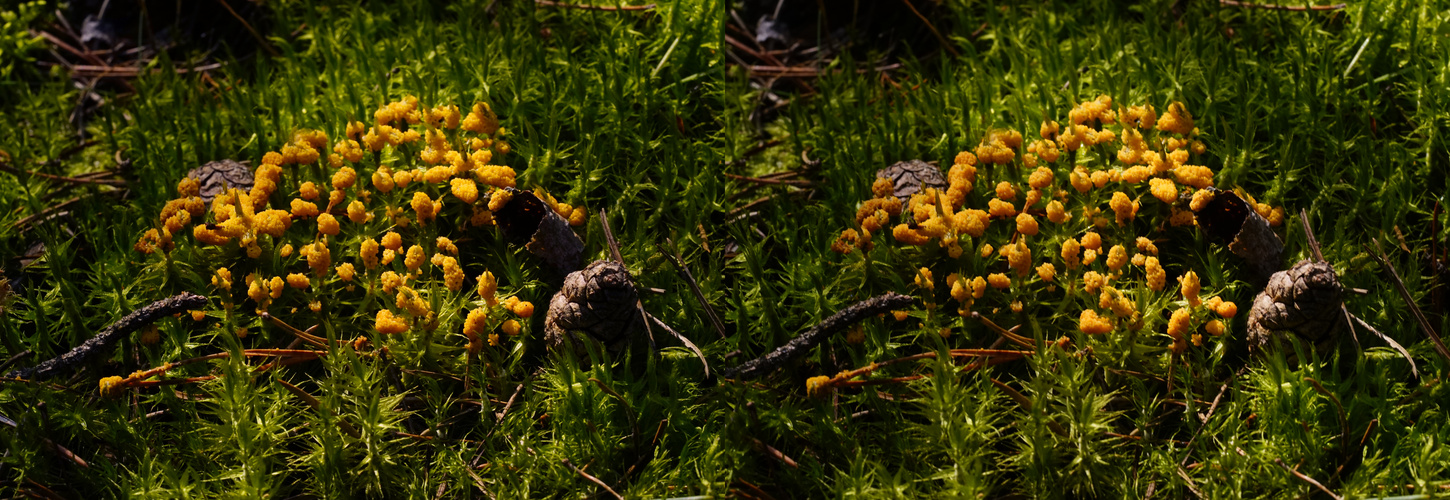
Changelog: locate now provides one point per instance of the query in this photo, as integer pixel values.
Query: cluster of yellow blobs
(1130, 146)
(1184, 319)
(478, 320)
(400, 169)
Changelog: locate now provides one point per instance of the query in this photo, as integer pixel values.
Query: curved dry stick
(110, 334)
(1379, 254)
(799, 345)
(1269, 6)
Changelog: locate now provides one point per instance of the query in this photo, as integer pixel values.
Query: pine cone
(219, 176)
(1304, 299)
(911, 177)
(600, 301)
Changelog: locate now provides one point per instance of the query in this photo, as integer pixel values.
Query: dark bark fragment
(102, 342)
(803, 343)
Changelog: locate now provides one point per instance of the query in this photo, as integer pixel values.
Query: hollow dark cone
(1229, 218)
(527, 221)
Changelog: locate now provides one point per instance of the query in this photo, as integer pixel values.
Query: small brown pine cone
(600, 301)
(218, 176)
(911, 177)
(1305, 300)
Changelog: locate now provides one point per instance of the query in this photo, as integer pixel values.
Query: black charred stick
(108, 336)
(800, 345)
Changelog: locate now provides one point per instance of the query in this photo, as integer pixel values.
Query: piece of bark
(102, 342)
(911, 177)
(802, 344)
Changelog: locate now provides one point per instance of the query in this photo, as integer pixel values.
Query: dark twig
(43, 492)
(609, 237)
(1307, 479)
(685, 340)
(754, 490)
(1209, 416)
(674, 255)
(1270, 6)
(619, 258)
(774, 453)
(759, 180)
(592, 479)
(109, 335)
(1396, 345)
(73, 180)
(498, 420)
(1319, 255)
(260, 39)
(1379, 254)
(1309, 235)
(13, 359)
(628, 410)
(944, 42)
(1339, 411)
(803, 343)
(317, 407)
(1188, 481)
(1005, 333)
(548, 3)
(1026, 405)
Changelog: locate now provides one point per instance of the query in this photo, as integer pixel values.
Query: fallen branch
(1005, 333)
(843, 379)
(132, 71)
(674, 256)
(1343, 422)
(1026, 405)
(317, 406)
(102, 341)
(758, 180)
(803, 343)
(807, 71)
(1269, 6)
(261, 40)
(550, 3)
(947, 44)
(685, 340)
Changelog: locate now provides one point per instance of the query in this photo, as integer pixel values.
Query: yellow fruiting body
(387, 323)
(1189, 286)
(1090, 323)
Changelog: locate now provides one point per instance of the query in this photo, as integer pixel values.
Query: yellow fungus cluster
(335, 216)
(1134, 174)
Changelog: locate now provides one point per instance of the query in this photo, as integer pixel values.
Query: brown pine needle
(592, 479)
